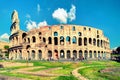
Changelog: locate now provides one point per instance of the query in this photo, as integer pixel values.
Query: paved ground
(78, 75)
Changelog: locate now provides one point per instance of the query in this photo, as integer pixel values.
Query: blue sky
(102, 14)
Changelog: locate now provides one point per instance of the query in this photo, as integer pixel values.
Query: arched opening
(80, 41)
(98, 54)
(73, 28)
(62, 54)
(39, 54)
(28, 40)
(79, 34)
(94, 42)
(101, 43)
(44, 40)
(55, 34)
(55, 41)
(68, 39)
(33, 55)
(74, 40)
(98, 43)
(40, 33)
(62, 40)
(24, 35)
(20, 54)
(68, 54)
(90, 41)
(75, 54)
(86, 54)
(49, 40)
(85, 41)
(56, 54)
(101, 54)
(49, 54)
(80, 55)
(28, 46)
(90, 54)
(33, 39)
(28, 54)
(95, 55)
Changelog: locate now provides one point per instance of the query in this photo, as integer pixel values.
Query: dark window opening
(79, 33)
(50, 40)
(49, 54)
(40, 33)
(34, 39)
(98, 43)
(55, 41)
(80, 54)
(44, 40)
(90, 54)
(94, 42)
(84, 28)
(68, 54)
(97, 36)
(68, 39)
(90, 41)
(89, 29)
(61, 27)
(85, 41)
(74, 41)
(55, 33)
(62, 40)
(28, 40)
(80, 41)
(75, 54)
(62, 54)
(73, 28)
(86, 54)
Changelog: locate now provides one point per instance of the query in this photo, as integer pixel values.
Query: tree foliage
(6, 47)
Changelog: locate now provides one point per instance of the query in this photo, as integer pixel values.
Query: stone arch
(61, 40)
(95, 54)
(98, 54)
(28, 46)
(98, 43)
(39, 54)
(74, 40)
(40, 33)
(24, 35)
(80, 54)
(55, 41)
(85, 41)
(68, 39)
(49, 40)
(56, 53)
(90, 41)
(28, 54)
(74, 53)
(79, 34)
(90, 54)
(33, 39)
(94, 42)
(62, 54)
(33, 54)
(44, 40)
(49, 54)
(85, 54)
(101, 43)
(28, 40)
(79, 41)
(68, 54)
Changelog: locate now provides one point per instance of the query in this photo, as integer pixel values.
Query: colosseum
(63, 42)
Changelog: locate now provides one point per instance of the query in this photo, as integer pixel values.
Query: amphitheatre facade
(62, 42)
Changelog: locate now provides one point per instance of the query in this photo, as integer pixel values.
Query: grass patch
(71, 77)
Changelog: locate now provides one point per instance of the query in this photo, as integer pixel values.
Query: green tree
(6, 47)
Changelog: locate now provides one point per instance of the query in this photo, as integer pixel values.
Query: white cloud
(71, 14)
(38, 8)
(4, 37)
(28, 16)
(44, 23)
(32, 24)
(62, 15)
